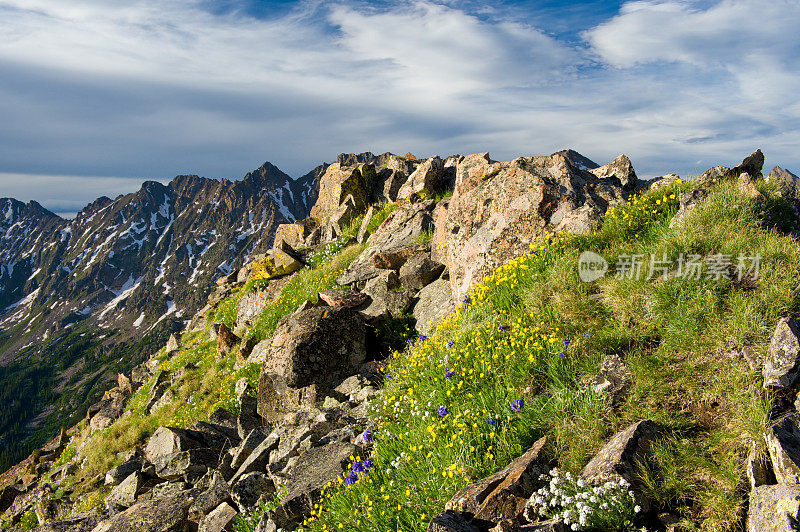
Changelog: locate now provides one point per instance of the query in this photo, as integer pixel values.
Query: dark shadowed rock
(218, 491)
(759, 468)
(258, 458)
(782, 365)
(80, 522)
(506, 492)
(249, 488)
(319, 346)
(774, 508)
(783, 443)
(190, 465)
(385, 300)
(117, 474)
(226, 340)
(752, 164)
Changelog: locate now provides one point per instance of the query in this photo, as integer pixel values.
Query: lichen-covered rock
(295, 234)
(166, 441)
(783, 443)
(499, 209)
(163, 514)
(450, 521)
(419, 271)
(318, 346)
(124, 495)
(612, 379)
(774, 508)
(306, 478)
(384, 299)
(401, 229)
(622, 455)
(427, 177)
(219, 520)
(782, 365)
(249, 488)
(338, 183)
(504, 494)
(435, 302)
(342, 298)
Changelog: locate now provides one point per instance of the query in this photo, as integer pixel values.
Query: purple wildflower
(358, 467)
(502, 329)
(561, 355)
(422, 337)
(350, 479)
(367, 435)
(447, 373)
(443, 412)
(566, 341)
(517, 405)
(368, 463)
(587, 335)
(449, 344)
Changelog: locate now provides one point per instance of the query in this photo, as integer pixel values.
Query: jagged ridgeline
(454, 344)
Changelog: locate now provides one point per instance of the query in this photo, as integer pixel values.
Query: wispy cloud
(155, 88)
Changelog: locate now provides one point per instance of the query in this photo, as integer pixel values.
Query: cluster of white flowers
(584, 505)
(396, 464)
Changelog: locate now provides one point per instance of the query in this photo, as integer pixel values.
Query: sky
(97, 96)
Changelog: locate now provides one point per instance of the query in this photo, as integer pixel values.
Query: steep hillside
(468, 346)
(86, 298)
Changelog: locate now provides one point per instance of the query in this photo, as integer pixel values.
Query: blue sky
(98, 95)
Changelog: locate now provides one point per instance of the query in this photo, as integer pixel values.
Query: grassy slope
(672, 334)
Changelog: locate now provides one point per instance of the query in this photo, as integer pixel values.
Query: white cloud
(157, 87)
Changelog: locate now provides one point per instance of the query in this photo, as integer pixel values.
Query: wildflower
(422, 337)
(467, 302)
(368, 463)
(502, 329)
(358, 467)
(351, 479)
(566, 342)
(443, 412)
(587, 335)
(367, 435)
(517, 405)
(447, 373)
(561, 355)
(449, 344)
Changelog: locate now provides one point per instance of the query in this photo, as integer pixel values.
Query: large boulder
(386, 299)
(340, 182)
(249, 488)
(622, 456)
(124, 495)
(167, 441)
(621, 169)
(295, 234)
(317, 346)
(419, 271)
(782, 365)
(219, 520)
(426, 178)
(499, 209)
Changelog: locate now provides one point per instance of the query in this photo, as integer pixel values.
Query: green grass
(673, 333)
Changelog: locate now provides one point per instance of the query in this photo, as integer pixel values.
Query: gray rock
(124, 495)
(435, 302)
(162, 395)
(783, 443)
(450, 521)
(218, 491)
(427, 177)
(306, 478)
(363, 233)
(115, 475)
(165, 514)
(774, 508)
(258, 459)
(190, 465)
(266, 524)
(167, 441)
(80, 522)
(612, 379)
(351, 385)
(219, 520)
(621, 456)
(249, 443)
(782, 365)
(420, 271)
(400, 230)
(259, 353)
(249, 488)
(759, 468)
(383, 301)
(107, 412)
(248, 418)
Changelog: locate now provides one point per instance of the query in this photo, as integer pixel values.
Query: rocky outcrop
(499, 209)
(782, 365)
